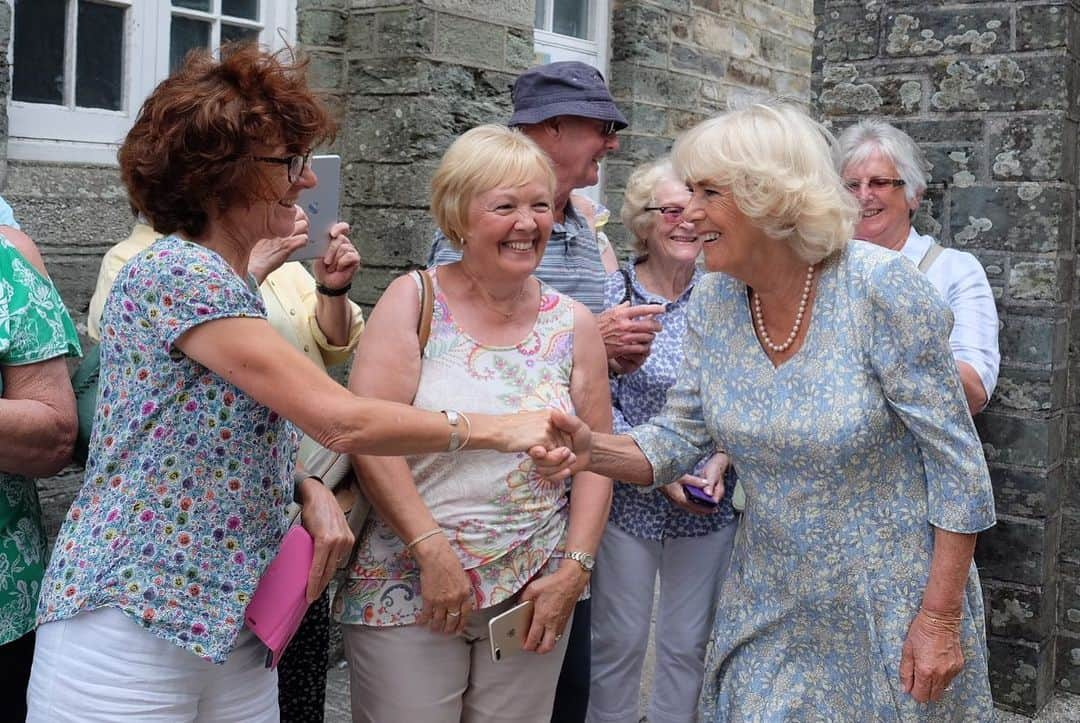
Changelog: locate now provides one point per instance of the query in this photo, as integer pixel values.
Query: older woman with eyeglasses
(887, 172)
(823, 367)
(663, 532)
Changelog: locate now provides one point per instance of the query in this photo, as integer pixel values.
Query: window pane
(540, 15)
(38, 55)
(248, 9)
(99, 58)
(186, 34)
(192, 4)
(235, 32)
(571, 17)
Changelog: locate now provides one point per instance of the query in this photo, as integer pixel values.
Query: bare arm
(555, 595)
(973, 387)
(387, 366)
(335, 270)
(249, 354)
(38, 420)
(932, 654)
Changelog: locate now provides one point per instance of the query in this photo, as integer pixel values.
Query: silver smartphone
(507, 631)
(321, 206)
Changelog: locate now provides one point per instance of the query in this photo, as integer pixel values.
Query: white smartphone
(321, 206)
(507, 631)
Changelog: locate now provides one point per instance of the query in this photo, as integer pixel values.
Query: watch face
(586, 560)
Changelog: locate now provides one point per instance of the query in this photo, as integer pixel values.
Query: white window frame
(61, 134)
(564, 47)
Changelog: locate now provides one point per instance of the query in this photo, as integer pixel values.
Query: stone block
(646, 119)
(970, 31)
(519, 49)
(1070, 535)
(1027, 492)
(326, 69)
(1032, 147)
(661, 87)
(412, 128)
(1019, 550)
(999, 83)
(1043, 26)
(1021, 441)
(748, 72)
(321, 27)
(949, 130)
(640, 36)
(713, 34)
(363, 34)
(1020, 611)
(639, 149)
(956, 163)
(1035, 280)
(1068, 662)
(848, 32)
(1069, 605)
(370, 283)
(505, 12)
(1021, 673)
(1031, 340)
(1030, 390)
(390, 237)
(1025, 217)
(685, 57)
(406, 32)
(470, 42)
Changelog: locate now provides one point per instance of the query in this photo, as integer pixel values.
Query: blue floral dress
(851, 453)
(182, 506)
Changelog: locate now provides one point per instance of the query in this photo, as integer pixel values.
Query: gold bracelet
(938, 617)
(421, 537)
(468, 431)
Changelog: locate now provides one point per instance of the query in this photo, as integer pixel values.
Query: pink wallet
(280, 600)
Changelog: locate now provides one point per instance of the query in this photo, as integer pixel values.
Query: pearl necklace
(759, 318)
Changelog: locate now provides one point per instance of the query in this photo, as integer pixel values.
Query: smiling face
(507, 229)
(669, 238)
(273, 213)
(577, 150)
(885, 213)
(731, 241)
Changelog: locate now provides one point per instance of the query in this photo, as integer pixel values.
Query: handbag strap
(427, 307)
(626, 284)
(930, 257)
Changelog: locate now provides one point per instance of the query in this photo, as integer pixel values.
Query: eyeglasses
(875, 184)
(608, 128)
(296, 163)
(671, 214)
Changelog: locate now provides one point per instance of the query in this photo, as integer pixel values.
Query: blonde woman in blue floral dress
(823, 367)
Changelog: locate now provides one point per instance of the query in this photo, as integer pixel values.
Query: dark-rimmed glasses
(671, 214)
(296, 163)
(874, 184)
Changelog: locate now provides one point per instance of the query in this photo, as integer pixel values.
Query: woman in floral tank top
(459, 539)
(195, 433)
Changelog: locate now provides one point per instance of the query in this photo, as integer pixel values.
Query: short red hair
(190, 149)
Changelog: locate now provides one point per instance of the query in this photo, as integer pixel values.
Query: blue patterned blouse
(635, 398)
(182, 506)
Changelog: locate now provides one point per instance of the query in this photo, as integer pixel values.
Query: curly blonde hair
(777, 163)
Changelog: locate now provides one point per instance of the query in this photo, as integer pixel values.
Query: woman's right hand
(559, 443)
(444, 586)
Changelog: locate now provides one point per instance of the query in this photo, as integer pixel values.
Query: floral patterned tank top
(502, 519)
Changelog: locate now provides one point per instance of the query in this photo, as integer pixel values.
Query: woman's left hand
(269, 254)
(930, 659)
(338, 265)
(322, 518)
(554, 597)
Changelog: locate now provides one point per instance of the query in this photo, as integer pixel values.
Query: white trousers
(691, 571)
(101, 667)
(408, 674)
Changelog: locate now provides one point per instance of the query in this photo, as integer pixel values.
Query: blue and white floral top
(635, 398)
(182, 506)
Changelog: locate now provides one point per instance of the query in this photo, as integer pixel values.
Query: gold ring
(453, 614)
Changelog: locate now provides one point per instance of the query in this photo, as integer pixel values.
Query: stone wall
(988, 90)
(676, 62)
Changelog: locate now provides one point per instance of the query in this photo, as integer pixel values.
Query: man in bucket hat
(567, 109)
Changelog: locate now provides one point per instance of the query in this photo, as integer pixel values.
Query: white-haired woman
(459, 539)
(659, 533)
(887, 172)
(823, 368)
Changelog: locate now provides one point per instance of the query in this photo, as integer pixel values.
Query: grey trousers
(408, 673)
(691, 570)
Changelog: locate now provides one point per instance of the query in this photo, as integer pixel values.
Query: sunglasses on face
(671, 214)
(874, 184)
(296, 163)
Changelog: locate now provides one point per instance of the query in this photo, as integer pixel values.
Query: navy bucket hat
(563, 88)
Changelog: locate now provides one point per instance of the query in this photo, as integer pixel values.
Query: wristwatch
(587, 561)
